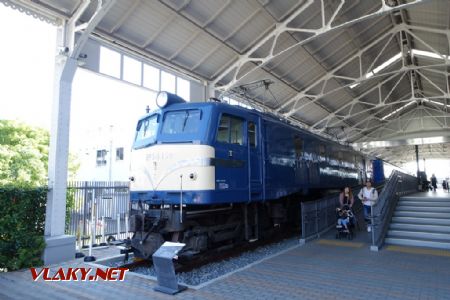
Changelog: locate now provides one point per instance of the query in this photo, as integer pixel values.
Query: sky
(26, 75)
(26, 67)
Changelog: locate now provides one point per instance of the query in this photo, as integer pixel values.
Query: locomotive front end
(163, 172)
(171, 169)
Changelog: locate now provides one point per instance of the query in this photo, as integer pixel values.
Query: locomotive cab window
(146, 131)
(230, 130)
(181, 121)
(252, 134)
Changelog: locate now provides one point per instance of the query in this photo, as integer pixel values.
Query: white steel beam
(314, 97)
(242, 24)
(272, 37)
(125, 16)
(380, 105)
(185, 44)
(216, 14)
(329, 75)
(205, 57)
(280, 28)
(155, 34)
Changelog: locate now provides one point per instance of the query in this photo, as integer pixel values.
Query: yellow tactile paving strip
(415, 250)
(340, 243)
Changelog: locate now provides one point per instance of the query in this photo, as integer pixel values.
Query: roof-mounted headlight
(165, 99)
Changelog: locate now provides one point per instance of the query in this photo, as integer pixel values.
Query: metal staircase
(421, 221)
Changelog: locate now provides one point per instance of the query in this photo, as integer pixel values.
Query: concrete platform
(322, 269)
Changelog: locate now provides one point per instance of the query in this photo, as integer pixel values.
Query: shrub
(22, 216)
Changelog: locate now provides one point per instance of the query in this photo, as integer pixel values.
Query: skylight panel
(435, 102)
(429, 54)
(384, 65)
(397, 110)
(387, 63)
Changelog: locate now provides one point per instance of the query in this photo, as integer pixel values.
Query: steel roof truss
(280, 28)
(86, 28)
(331, 74)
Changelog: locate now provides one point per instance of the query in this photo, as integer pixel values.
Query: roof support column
(417, 162)
(210, 91)
(60, 247)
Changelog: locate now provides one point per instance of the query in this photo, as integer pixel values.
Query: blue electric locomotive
(211, 175)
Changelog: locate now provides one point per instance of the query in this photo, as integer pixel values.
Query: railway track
(186, 264)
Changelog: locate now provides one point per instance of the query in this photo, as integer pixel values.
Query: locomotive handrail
(398, 184)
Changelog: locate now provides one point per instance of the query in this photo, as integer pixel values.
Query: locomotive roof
(239, 110)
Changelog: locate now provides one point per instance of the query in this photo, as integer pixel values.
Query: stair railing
(397, 185)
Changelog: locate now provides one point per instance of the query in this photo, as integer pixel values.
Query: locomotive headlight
(164, 98)
(193, 176)
(161, 99)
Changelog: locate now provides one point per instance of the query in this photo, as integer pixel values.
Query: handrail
(397, 185)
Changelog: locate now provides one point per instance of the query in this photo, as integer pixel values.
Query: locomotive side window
(182, 121)
(230, 130)
(236, 130)
(252, 134)
(223, 132)
(298, 146)
(322, 150)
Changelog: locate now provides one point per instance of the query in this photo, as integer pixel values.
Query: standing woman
(369, 196)
(346, 197)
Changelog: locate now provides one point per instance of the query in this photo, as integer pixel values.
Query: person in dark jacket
(434, 182)
(346, 198)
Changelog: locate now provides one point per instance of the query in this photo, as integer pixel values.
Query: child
(344, 215)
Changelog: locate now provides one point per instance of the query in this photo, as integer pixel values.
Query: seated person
(343, 217)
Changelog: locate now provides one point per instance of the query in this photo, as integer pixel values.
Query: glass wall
(120, 66)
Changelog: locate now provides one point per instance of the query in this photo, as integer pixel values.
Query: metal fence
(399, 184)
(110, 203)
(320, 216)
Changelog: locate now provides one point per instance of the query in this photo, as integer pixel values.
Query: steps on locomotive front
(421, 222)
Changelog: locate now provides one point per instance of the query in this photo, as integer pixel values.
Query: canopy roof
(354, 71)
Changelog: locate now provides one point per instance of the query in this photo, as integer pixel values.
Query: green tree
(23, 191)
(24, 155)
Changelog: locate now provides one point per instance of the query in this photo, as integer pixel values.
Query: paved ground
(322, 269)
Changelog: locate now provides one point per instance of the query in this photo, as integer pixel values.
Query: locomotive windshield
(181, 122)
(146, 131)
